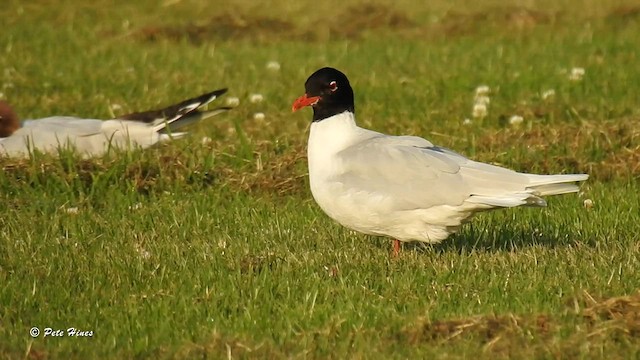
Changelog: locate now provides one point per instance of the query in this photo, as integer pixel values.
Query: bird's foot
(396, 248)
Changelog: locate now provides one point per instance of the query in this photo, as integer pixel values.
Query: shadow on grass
(478, 238)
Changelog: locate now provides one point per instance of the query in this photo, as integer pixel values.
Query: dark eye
(333, 86)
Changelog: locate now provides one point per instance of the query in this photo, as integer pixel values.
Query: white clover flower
(273, 66)
(482, 99)
(206, 140)
(483, 90)
(466, 122)
(72, 210)
(232, 101)
(516, 120)
(256, 98)
(258, 116)
(587, 203)
(576, 74)
(479, 110)
(142, 252)
(548, 94)
(135, 206)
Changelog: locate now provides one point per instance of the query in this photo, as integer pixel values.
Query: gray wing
(403, 172)
(48, 134)
(62, 125)
(411, 173)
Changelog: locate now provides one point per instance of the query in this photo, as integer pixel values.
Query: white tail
(546, 185)
(539, 185)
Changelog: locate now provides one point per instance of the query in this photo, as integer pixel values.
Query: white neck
(327, 138)
(333, 134)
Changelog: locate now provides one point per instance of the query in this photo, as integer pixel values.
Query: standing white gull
(403, 187)
(94, 137)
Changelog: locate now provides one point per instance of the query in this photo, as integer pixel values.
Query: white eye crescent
(333, 86)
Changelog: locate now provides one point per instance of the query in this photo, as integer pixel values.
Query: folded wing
(406, 173)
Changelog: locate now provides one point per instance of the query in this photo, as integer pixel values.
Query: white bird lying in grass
(94, 137)
(402, 186)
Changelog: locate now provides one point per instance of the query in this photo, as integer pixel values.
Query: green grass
(214, 250)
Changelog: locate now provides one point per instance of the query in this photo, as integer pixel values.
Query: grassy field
(216, 249)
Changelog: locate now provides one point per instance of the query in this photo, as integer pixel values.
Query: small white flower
(466, 122)
(256, 98)
(115, 107)
(206, 140)
(142, 252)
(72, 210)
(587, 203)
(479, 110)
(548, 94)
(576, 74)
(483, 90)
(516, 120)
(482, 99)
(232, 101)
(258, 116)
(135, 206)
(273, 66)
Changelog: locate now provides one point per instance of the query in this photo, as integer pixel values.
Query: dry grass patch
(607, 319)
(157, 170)
(617, 314)
(225, 27)
(280, 174)
(457, 23)
(624, 13)
(351, 23)
(491, 331)
(605, 150)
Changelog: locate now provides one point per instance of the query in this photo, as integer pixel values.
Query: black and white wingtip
(179, 115)
(192, 104)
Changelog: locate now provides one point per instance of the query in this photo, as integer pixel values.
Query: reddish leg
(396, 247)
